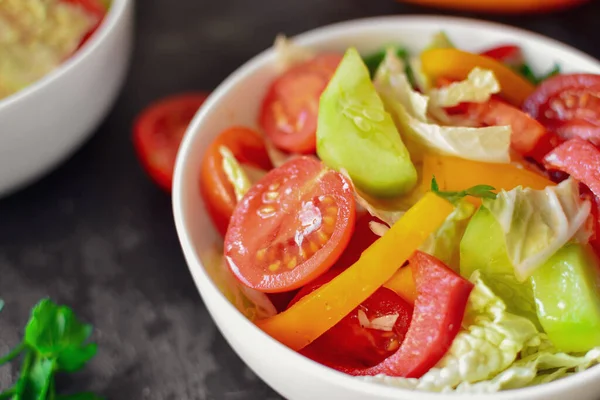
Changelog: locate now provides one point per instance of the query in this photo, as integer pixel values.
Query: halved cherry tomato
(248, 147)
(348, 343)
(289, 110)
(291, 226)
(95, 9)
(510, 55)
(157, 134)
(568, 105)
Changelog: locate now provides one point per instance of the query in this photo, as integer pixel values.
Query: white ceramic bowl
(43, 124)
(236, 101)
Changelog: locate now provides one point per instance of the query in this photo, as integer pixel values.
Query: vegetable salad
(428, 221)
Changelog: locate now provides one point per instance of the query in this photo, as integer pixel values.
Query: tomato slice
(95, 9)
(291, 226)
(529, 137)
(580, 159)
(248, 147)
(350, 344)
(289, 110)
(510, 55)
(439, 309)
(568, 105)
(158, 131)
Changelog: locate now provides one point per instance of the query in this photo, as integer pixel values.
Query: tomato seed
(260, 255)
(266, 211)
(269, 197)
(292, 263)
(332, 210)
(323, 237)
(274, 186)
(328, 220)
(275, 266)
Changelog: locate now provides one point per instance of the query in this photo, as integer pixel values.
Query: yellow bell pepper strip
(317, 312)
(455, 174)
(403, 284)
(457, 64)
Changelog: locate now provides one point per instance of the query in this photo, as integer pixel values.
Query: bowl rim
(111, 19)
(201, 277)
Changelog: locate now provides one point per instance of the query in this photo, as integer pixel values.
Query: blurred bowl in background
(501, 6)
(44, 123)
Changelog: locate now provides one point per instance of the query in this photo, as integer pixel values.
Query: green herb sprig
(55, 341)
(480, 191)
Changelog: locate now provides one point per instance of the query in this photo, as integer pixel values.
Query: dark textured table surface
(97, 235)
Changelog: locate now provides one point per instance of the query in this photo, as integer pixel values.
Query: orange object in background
(501, 6)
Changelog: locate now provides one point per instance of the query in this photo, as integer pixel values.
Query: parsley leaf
(55, 331)
(55, 341)
(480, 191)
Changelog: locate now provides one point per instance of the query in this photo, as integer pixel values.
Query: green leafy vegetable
(372, 61)
(479, 86)
(444, 244)
(537, 223)
(55, 341)
(528, 73)
(480, 191)
(409, 109)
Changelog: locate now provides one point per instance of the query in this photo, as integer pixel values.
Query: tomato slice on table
(568, 105)
(248, 148)
(94, 8)
(439, 309)
(291, 226)
(158, 131)
(289, 110)
(363, 341)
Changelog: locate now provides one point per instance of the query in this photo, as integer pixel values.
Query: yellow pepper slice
(455, 174)
(403, 284)
(457, 64)
(317, 312)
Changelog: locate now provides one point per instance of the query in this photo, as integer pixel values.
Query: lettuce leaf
(444, 243)
(287, 53)
(543, 364)
(251, 303)
(477, 88)
(241, 177)
(409, 109)
(537, 223)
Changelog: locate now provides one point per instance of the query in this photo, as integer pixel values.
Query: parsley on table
(55, 341)
(480, 191)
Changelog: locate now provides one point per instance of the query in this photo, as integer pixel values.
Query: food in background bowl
(36, 36)
(415, 231)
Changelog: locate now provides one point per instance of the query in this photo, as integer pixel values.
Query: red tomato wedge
(291, 226)
(439, 309)
(568, 105)
(248, 148)
(510, 55)
(580, 159)
(351, 344)
(95, 9)
(289, 110)
(529, 137)
(158, 131)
